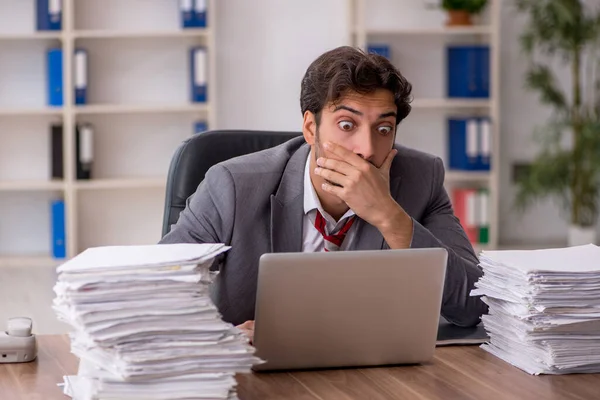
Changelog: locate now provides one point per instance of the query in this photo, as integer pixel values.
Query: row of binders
(49, 14)
(54, 67)
(84, 148)
(193, 13)
(472, 208)
(198, 76)
(467, 69)
(84, 151)
(84, 154)
(470, 143)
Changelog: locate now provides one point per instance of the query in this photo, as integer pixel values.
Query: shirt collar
(311, 200)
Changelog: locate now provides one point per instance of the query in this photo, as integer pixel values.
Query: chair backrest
(200, 152)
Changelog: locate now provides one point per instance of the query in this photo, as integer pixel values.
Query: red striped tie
(332, 242)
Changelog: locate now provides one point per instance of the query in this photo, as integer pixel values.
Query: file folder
(54, 69)
(464, 203)
(59, 249)
(463, 144)
(485, 141)
(200, 126)
(56, 156)
(484, 216)
(187, 13)
(81, 76)
(200, 14)
(84, 142)
(198, 74)
(380, 49)
(468, 71)
(49, 15)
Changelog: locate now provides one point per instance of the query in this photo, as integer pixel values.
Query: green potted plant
(569, 31)
(460, 11)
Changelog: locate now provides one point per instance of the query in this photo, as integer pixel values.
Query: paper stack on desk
(144, 326)
(544, 308)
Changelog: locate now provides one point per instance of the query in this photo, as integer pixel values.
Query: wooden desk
(455, 373)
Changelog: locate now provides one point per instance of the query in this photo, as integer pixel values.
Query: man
(343, 186)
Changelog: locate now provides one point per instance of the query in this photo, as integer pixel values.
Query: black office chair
(200, 152)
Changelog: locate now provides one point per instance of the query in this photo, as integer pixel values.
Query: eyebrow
(353, 111)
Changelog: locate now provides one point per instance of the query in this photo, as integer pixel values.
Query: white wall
(263, 50)
(521, 113)
(264, 47)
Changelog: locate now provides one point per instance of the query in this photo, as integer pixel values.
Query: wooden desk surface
(456, 373)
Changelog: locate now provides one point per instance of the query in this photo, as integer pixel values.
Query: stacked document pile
(144, 326)
(544, 308)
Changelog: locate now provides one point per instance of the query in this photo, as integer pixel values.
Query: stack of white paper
(544, 308)
(144, 326)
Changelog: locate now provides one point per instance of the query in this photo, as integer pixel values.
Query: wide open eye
(385, 130)
(346, 125)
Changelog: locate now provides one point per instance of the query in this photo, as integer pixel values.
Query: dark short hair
(348, 69)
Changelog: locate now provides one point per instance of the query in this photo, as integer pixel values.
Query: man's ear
(309, 127)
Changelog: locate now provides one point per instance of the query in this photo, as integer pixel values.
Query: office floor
(27, 292)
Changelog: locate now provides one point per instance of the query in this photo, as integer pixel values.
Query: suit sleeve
(209, 212)
(441, 228)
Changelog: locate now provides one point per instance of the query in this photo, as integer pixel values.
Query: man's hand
(362, 186)
(366, 190)
(248, 328)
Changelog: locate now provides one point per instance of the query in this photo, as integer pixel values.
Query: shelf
(21, 186)
(31, 35)
(139, 109)
(436, 31)
(131, 183)
(451, 103)
(467, 176)
(115, 34)
(28, 261)
(31, 111)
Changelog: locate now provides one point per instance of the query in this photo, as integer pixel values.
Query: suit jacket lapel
(367, 236)
(287, 206)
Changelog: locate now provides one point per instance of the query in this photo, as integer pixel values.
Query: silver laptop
(348, 308)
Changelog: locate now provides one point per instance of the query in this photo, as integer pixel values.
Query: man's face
(364, 124)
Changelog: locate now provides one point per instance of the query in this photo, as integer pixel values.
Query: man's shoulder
(263, 163)
(410, 161)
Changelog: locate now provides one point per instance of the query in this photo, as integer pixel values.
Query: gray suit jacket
(254, 203)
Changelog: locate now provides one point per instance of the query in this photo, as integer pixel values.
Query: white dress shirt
(312, 240)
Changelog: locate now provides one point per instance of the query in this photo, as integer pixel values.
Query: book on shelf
(48, 15)
(469, 143)
(380, 49)
(84, 145)
(54, 76)
(472, 208)
(84, 151)
(193, 13)
(81, 76)
(200, 13)
(56, 152)
(468, 71)
(54, 70)
(187, 13)
(200, 126)
(198, 74)
(58, 230)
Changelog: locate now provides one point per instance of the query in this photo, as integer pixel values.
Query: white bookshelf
(137, 101)
(417, 37)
